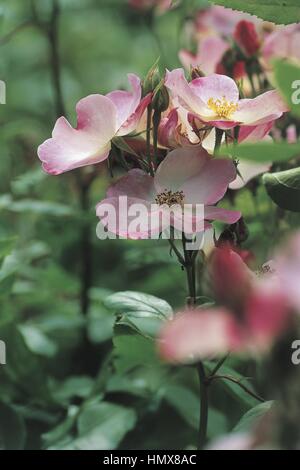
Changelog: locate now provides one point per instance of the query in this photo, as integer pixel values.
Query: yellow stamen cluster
(170, 198)
(222, 108)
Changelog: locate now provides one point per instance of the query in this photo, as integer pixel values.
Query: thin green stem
(239, 383)
(148, 139)
(191, 278)
(203, 406)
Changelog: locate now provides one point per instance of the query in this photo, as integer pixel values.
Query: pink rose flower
(186, 176)
(214, 100)
(99, 119)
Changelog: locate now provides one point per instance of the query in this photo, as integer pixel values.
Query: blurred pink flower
(185, 176)
(221, 20)
(283, 43)
(99, 119)
(253, 313)
(287, 269)
(209, 54)
(214, 100)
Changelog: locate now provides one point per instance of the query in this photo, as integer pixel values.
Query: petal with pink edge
(89, 143)
(260, 110)
(196, 334)
(126, 102)
(179, 87)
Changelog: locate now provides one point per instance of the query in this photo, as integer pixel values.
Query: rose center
(222, 108)
(170, 198)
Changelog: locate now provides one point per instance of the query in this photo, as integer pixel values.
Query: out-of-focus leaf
(284, 188)
(62, 429)
(262, 152)
(6, 246)
(12, 428)
(37, 341)
(75, 386)
(102, 426)
(277, 11)
(234, 389)
(253, 416)
(28, 181)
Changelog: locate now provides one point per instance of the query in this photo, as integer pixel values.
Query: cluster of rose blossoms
(170, 129)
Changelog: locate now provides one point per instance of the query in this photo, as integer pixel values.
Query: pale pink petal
(210, 184)
(89, 143)
(179, 166)
(196, 334)
(217, 87)
(176, 82)
(126, 102)
(129, 105)
(224, 215)
(135, 184)
(133, 121)
(260, 110)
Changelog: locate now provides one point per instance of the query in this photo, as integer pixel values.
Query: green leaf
(277, 11)
(141, 305)
(252, 417)
(284, 188)
(287, 77)
(62, 429)
(6, 246)
(74, 386)
(12, 429)
(102, 426)
(142, 312)
(262, 152)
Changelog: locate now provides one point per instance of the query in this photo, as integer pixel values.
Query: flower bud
(161, 100)
(152, 80)
(246, 37)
